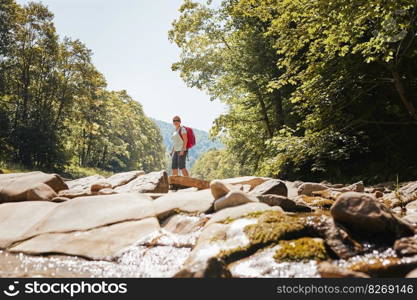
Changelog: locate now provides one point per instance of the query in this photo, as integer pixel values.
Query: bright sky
(129, 39)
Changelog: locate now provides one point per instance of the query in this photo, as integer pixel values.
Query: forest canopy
(55, 110)
(316, 89)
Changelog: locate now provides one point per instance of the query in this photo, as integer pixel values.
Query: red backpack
(191, 137)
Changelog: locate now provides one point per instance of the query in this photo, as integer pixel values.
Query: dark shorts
(178, 161)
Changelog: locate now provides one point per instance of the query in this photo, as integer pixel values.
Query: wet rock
(329, 270)
(103, 243)
(18, 219)
(356, 187)
(285, 203)
(377, 265)
(365, 216)
(186, 182)
(249, 180)
(182, 224)
(99, 185)
(263, 265)
(94, 211)
(309, 187)
(272, 186)
(337, 238)
(1, 171)
(21, 186)
(119, 179)
(240, 211)
(211, 268)
(193, 202)
(406, 246)
(219, 189)
(234, 198)
(412, 274)
(155, 182)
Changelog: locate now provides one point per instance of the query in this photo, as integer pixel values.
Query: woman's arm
(185, 141)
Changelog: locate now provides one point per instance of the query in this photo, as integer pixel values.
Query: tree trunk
(401, 92)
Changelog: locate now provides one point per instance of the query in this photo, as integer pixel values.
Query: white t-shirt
(177, 140)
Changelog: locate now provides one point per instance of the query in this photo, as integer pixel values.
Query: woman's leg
(175, 164)
(184, 172)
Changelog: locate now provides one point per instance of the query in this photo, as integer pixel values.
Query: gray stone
(272, 186)
(234, 198)
(18, 219)
(285, 203)
(155, 182)
(120, 179)
(219, 189)
(309, 187)
(24, 186)
(104, 243)
(366, 216)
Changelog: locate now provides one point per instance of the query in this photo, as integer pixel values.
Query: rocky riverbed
(150, 225)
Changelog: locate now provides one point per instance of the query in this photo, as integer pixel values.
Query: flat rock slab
(29, 186)
(250, 180)
(105, 243)
(240, 211)
(189, 202)
(183, 181)
(119, 179)
(18, 219)
(155, 182)
(84, 183)
(94, 211)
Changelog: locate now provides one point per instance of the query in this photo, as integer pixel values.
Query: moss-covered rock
(273, 226)
(302, 249)
(317, 201)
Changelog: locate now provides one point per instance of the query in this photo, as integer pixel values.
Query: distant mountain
(204, 143)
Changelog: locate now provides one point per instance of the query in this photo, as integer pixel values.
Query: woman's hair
(177, 117)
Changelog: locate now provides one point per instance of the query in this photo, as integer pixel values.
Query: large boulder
(155, 182)
(364, 215)
(272, 186)
(30, 186)
(94, 211)
(234, 198)
(308, 188)
(119, 179)
(219, 188)
(104, 243)
(18, 219)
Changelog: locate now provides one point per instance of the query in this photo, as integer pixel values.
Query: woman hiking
(179, 150)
